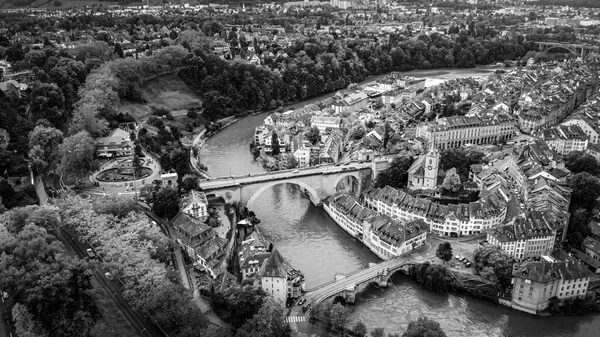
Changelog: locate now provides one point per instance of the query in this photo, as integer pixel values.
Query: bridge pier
(350, 294)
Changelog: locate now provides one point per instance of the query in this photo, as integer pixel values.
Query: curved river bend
(307, 236)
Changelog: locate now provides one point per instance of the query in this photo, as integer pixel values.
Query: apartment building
(587, 126)
(530, 236)
(451, 132)
(351, 103)
(200, 242)
(445, 220)
(565, 138)
(535, 283)
(384, 236)
(323, 122)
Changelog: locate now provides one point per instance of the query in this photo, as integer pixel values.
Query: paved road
(113, 291)
(5, 329)
(277, 175)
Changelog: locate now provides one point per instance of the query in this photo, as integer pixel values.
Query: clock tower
(431, 167)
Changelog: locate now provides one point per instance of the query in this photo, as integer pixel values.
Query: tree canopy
(444, 251)
(424, 327)
(396, 175)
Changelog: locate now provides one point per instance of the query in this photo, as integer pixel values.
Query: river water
(305, 235)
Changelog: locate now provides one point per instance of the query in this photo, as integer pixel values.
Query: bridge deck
(333, 288)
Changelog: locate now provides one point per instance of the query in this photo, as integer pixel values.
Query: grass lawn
(113, 323)
(168, 92)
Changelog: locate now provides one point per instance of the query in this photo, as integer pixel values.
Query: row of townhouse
(452, 132)
(445, 220)
(565, 138)
(532, 235)
(537, 284)
(384, 236)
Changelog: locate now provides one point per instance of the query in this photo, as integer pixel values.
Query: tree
(357, 132)
(586, 190)
(77, 154)
(493, 264)
(338, 317)
(313, 135)
(359, 329)
(85, 117)
(424, 327)
(48, 102)
(444, 251)
(274, 144)
(268, 322)
(452, 180)
(578, 162)
(378, 332)
(396, 175)
(578, 227)
(189, 182)
(118, 50)
(43, 144)
(33, 265)
(166, 203)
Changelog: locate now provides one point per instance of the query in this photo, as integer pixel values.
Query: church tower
(431, 167)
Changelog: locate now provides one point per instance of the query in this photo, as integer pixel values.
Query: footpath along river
(307, 236)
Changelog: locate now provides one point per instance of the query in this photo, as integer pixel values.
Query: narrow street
(5, 329)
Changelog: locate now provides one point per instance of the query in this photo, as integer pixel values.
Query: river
(305, 235)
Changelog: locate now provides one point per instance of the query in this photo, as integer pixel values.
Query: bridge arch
(314, 195)
(563, 48)
(353, 178)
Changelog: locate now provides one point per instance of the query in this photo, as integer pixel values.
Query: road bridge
(576, 49)
(318, 182)
(348, 286)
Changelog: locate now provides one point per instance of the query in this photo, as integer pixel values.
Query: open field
(167, 92)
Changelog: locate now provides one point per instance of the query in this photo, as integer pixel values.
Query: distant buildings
(535, 284)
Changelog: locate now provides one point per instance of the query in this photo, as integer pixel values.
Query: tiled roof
(592, 244)
(544, 272)
(274, 266)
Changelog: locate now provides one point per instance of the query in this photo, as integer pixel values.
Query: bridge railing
(286, 173)
(367, 277)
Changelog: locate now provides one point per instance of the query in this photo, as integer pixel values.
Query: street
(313, 170)
(5, 329)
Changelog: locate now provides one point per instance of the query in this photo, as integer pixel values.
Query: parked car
(296, 171)
(90, 253)
(302, 301)
(457, 257)
(468, 264)
(109, 276)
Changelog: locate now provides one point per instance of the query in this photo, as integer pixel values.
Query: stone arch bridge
(348, 285)
(576, 49)
(318, 183)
